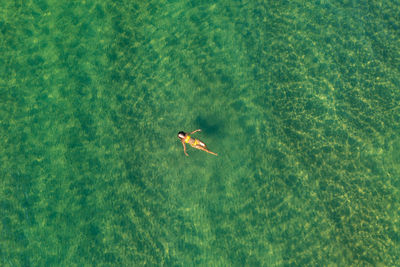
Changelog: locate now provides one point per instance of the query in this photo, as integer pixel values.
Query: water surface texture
(300, 99)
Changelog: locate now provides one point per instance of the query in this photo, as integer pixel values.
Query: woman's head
(181, 135)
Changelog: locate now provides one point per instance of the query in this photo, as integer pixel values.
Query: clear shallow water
(300, 101)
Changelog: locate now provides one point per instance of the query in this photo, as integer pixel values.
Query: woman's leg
(206, 150)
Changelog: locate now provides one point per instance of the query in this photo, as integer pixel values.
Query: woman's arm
(198, 130)
(184, 148)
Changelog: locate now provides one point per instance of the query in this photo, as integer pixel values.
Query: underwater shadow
(210, 124)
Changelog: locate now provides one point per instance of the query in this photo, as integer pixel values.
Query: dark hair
(181, 133)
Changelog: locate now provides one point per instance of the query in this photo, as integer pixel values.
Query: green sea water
(300, 99)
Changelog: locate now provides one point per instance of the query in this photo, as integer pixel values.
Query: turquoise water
(300, 101)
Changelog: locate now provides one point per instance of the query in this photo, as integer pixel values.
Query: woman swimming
(196, 143)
